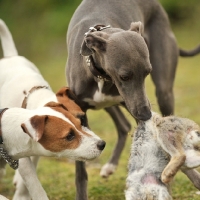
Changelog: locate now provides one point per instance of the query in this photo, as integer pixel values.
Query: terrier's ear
(91, 44)
(35, 126)
(137, 27)
(71, 102)
(67, 93)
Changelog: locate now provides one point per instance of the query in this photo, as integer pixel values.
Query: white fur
(100, 100)
(3, 198)
(107, 170)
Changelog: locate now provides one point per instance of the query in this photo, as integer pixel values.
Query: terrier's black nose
(101, 145)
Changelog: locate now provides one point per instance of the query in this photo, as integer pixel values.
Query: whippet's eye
(125, 78)
(70, 136)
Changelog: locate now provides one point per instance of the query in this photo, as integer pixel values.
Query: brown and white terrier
(54, 123)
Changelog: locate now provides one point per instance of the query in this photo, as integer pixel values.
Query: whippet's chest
(101, 98)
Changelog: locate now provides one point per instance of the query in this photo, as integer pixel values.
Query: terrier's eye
(70, 136)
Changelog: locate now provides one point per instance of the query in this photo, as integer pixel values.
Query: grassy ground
(49, 54)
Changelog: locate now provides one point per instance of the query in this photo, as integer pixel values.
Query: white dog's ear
(91, 44)
(137, 27)
(34, 127)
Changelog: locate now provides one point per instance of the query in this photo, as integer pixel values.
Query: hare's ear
(92, 43)
(137, 27)
(35, 126)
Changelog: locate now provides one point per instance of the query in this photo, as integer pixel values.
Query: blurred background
(39, 30)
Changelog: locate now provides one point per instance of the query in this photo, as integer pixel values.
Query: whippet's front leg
(31, 181)
(123, 127)
(81, 181)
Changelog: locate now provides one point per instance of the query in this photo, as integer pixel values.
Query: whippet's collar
(24, 103)
(97, 28)
(98, 73)
(3, 153)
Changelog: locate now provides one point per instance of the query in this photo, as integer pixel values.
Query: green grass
(41, 38)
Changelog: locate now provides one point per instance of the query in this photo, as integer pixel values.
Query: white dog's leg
(19, 183)
(28, 173)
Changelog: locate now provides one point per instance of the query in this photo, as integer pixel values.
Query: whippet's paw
(167, 175)
(107, 170)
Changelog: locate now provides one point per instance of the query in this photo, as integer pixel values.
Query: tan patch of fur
(60, 108)
(55, 133)
(174, 131)
(66, 97)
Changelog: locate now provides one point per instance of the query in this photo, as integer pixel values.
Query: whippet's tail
(7, 42)
(189, 53)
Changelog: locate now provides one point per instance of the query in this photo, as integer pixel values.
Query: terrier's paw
(107, 170)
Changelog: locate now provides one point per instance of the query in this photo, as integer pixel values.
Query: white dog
(36, 133)
(21, 85)
(161, 146)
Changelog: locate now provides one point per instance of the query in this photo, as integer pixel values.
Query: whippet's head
(124, 56)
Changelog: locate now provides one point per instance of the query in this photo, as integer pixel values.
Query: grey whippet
(161, 146)
(107, 65)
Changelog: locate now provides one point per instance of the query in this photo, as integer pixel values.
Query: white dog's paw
(2, 172)
(3, 198)
(107, 170)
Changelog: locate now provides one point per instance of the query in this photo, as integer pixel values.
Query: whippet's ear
(137, 27)
(92, 43)
(35, 126)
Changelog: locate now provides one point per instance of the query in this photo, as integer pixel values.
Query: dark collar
(1, 113)
(24, 103)
(97, 72)
(3, 153)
